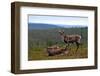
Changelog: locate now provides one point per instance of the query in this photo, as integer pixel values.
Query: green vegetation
(39, 40)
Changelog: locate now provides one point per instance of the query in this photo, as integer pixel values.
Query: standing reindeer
(71, 39)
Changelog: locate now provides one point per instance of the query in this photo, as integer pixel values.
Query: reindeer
(71, 39)
(55, 50)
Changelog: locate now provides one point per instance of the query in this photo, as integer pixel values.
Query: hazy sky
(62, 20)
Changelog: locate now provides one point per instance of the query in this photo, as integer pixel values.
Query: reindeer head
(61, 32)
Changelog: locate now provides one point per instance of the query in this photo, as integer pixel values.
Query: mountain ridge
(50, 26)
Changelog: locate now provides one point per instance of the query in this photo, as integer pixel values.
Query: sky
(58, 20)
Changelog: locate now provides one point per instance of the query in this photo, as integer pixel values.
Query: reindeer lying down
(55, 50)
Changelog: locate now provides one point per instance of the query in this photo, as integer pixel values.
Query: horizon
(57, 25)
(59, 20)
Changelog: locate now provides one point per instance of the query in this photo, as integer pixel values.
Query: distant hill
(50, 26)
(41, 26)
(51, 36)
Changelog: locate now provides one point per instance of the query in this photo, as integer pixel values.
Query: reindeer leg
(77, 44)
(68, 45)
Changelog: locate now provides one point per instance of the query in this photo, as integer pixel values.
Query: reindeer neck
(63, 36)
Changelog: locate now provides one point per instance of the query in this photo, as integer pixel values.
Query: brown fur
(71, 39)
(55, 50)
